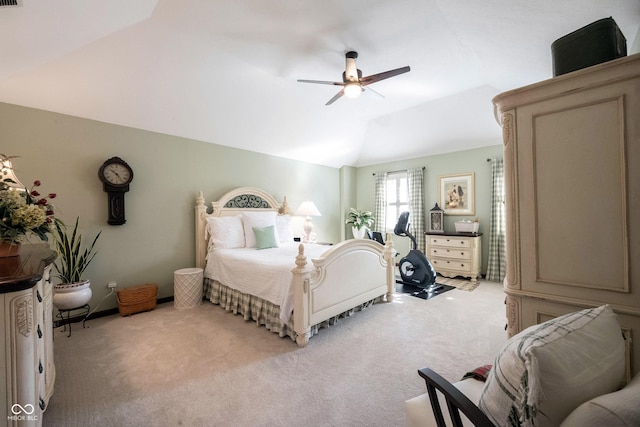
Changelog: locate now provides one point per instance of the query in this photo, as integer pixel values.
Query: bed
(292, 289)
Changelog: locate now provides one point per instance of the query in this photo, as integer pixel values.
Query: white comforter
(265, 273)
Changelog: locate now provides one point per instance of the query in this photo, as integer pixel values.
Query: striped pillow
(546, 371)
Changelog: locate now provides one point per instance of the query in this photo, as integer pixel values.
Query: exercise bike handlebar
(402, 229)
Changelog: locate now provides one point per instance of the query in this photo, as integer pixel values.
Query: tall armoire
(572, 182)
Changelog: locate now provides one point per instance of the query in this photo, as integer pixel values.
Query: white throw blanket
(265, 273)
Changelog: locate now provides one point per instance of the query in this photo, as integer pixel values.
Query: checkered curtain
(496, 268)
(415, 187)
(380, 213)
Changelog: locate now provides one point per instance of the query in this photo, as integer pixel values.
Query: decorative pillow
(226, 232)
(285, 231)
(618, 409)
(256, 219)
(265, 237)
(546, 371)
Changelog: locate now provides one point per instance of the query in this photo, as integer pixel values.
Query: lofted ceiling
(226, 72)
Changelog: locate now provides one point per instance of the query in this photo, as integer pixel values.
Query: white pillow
(257, 219)
(618, 409)
(226, 232)
(284, 229)
(546, 371)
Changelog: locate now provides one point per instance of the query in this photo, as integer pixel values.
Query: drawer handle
(38, 295)
(40, 368)
(39, 332)
(42, 404)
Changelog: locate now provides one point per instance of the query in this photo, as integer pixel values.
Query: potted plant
(360, 221)
(73, 291)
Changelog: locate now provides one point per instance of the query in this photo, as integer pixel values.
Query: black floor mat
(420, 292)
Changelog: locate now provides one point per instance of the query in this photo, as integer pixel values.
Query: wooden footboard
(350, 273)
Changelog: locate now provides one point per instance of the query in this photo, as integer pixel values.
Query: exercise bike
(415, 268)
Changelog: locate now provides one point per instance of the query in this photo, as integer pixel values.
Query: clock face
(116, 174)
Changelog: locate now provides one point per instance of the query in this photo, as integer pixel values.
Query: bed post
(389, 256)
(201, 240)
(301, 290)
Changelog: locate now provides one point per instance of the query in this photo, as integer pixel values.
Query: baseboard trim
(102, 313)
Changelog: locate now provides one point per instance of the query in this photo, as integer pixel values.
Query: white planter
(358, 234)
(67, 296)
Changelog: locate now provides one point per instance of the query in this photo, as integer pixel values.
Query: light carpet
(207, 367)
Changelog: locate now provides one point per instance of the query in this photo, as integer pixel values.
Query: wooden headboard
(234, 202)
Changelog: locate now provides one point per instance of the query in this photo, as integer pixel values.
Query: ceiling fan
(353, 84)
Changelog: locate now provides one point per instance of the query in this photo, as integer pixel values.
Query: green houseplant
(360, 220)
(74, 291)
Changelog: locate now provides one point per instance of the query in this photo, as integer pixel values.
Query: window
(397, 197)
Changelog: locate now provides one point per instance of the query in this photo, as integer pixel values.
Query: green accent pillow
(265, 237)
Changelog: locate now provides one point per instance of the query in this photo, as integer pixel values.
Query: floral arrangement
(23, 211)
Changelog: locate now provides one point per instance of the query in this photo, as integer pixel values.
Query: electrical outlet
(112, 285)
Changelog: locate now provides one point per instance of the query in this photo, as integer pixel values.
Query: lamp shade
(8, 173)
(307, 208)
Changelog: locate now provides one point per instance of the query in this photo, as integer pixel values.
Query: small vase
(358, 233)
(9, 248)
(68, 296)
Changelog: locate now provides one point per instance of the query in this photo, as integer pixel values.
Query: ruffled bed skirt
(265, 313)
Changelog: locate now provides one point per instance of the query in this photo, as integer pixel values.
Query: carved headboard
(234, 202)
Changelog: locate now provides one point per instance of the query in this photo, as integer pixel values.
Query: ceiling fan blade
(335, 97)
(322, 82)
(381, 76)
(370, 90)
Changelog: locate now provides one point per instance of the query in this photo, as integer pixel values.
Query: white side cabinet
(455, 254)
(27, 370)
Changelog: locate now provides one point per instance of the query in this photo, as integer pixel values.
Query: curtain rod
(401, 170)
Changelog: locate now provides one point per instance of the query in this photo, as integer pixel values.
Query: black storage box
(598, 42)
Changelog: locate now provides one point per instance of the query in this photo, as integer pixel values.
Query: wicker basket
(137, 299)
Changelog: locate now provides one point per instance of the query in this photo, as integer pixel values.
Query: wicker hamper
(137, 299)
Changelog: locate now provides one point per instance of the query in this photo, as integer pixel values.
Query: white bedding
(265, 273)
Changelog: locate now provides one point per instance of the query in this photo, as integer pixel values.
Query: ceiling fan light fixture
(352, 90)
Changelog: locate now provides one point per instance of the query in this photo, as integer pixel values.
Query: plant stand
(85, 308)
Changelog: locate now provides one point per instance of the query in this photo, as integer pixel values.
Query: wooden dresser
(455, 254)
(572, 183)
(26, 335)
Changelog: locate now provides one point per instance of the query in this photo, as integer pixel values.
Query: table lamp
(308, 209)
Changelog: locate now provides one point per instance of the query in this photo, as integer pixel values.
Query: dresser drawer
(461, 266)
(450, 242)
(444, 252)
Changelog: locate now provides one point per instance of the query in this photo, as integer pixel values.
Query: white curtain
(415, 187)
(380, 213)
(497, 227)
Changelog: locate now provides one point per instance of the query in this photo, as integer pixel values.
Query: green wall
(65, 153)
(445, 164)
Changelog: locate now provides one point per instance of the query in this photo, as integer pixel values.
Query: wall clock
(116, 175)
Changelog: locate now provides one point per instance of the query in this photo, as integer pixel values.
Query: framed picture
(457, 194)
